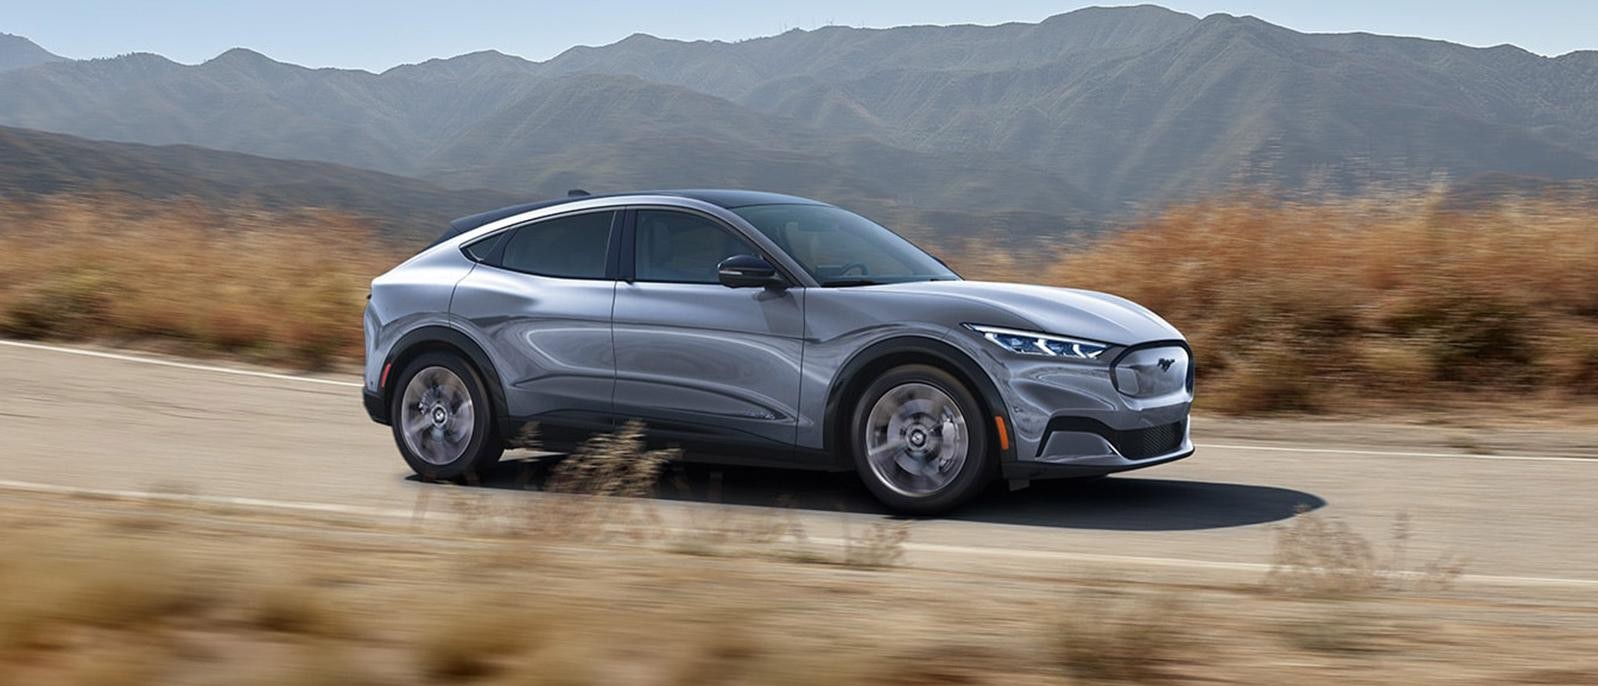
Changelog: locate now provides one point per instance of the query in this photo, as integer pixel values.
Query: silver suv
(767, 329)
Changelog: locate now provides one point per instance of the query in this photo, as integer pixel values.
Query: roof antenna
(577, 193)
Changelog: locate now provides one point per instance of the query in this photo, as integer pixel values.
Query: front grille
(1141, 444)
(1132, 444)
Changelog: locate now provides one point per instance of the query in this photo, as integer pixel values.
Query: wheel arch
(437, 338)
(870, 362)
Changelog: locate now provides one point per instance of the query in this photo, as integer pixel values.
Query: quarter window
(481, 248)
(678, 247)
(571, 247)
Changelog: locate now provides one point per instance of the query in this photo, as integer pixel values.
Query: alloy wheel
(916, 439)
(436, 416)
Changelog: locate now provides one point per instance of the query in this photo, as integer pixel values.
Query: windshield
(841, 248)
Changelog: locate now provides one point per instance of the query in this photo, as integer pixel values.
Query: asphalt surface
(76, 420)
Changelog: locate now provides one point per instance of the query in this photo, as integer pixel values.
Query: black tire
(482, 448)
(974, 473)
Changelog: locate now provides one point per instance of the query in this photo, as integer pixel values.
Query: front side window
(678, 247)
(841, 248)
(570, 247)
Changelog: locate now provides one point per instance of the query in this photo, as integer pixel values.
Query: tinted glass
(678, 247)
(480, 249)
(841, 248)
(570, 247)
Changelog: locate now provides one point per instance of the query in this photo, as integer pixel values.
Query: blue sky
(377, 34)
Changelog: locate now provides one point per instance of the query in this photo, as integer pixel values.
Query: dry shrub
(1111, 638)
(286, 286)
(1304, 306)
(613, 464)
(1323, 557)
(601, 489)
(1317, 556)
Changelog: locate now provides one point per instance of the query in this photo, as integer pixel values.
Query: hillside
(17, 52)
(1085, 117)
(35, 164)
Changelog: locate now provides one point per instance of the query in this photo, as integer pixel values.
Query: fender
(437, 337)
(853, 376)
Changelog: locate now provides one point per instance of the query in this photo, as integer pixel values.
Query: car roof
(726, 198)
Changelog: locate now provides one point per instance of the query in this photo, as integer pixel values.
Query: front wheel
(920, 441)
(442, 419)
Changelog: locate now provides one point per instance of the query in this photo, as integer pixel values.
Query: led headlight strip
(1033, 343)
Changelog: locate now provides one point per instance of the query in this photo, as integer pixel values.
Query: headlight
(1030, 343)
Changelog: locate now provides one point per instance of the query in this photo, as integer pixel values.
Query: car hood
(1064, 311)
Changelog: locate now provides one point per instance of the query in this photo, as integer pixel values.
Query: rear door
(712, 367)
(540, 304)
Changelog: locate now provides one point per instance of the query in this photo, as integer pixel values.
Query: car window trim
(493, 239)
(629, 252)
(496, 257)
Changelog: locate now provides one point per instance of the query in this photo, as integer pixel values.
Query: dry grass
(418, 606)
(750, 533)
(1110, 638)
(602, 489)
(478, 637)
(881, 544)
(297, 608)
(1291, 306)
(613, 464)
(284, 287)
(1335, 629)
(603, 492)
(44, 593)
(1324, 306)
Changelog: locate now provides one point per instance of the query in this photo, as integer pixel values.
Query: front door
(713, 368)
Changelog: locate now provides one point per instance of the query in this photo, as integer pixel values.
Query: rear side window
(570, 247)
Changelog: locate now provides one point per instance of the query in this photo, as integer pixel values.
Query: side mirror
(748, 271)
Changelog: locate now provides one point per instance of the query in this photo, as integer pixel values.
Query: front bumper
(375, 407)
(1074, 420)
(1029, 470)
(1074, 447)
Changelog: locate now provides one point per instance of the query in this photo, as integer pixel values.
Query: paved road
(88, 421)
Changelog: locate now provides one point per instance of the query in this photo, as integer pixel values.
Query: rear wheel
(920, 441)
(443, 420)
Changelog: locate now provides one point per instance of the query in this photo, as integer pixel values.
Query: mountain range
(1025, 128)
(34, 163)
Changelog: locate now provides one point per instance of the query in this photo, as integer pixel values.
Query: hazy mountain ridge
(17, 52)
(33, 163)
(1084, 116)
